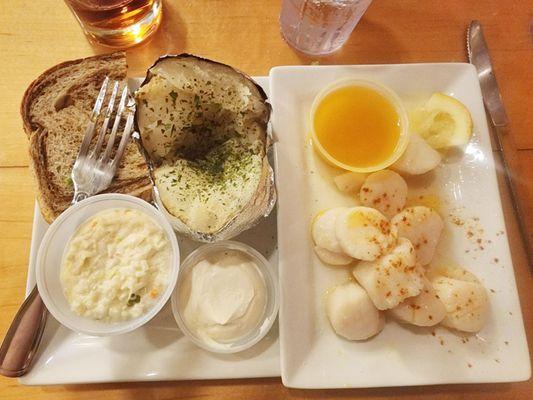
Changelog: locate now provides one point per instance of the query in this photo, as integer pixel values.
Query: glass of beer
(117, 23)
(319, 27)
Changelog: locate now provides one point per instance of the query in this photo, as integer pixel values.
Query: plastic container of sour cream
(226, 297)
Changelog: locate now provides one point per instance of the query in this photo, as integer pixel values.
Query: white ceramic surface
(52, 249)
(312, 356)
(157, 350)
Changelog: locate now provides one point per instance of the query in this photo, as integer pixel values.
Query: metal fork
(93, 171)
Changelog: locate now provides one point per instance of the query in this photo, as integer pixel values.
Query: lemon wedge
(443, 122)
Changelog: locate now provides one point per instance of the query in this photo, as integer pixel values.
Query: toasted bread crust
(54, 197)
(46, 79)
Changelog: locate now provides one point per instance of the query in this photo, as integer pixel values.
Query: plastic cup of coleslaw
(52, 249)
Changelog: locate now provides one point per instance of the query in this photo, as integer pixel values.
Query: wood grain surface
(245, 33)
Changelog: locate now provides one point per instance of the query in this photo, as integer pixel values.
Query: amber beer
(117, 23)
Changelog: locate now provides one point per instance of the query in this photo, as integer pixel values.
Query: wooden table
(36, 35)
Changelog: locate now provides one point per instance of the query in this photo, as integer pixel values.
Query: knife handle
(23, 337)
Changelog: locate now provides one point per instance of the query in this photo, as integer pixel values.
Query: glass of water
(319, 27)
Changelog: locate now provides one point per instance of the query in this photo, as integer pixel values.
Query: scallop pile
(388, 248)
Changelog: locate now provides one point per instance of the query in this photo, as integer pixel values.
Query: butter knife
(478, 55)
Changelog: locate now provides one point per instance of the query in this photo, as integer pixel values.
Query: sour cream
(116, 265)
(223, 297)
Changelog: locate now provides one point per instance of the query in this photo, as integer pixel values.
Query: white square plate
(465, 188)
(156, 351)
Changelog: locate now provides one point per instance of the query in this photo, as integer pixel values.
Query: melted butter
(357, 126)
(356, 219)
(428, 200)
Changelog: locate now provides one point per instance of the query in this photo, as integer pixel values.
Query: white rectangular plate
(156, 351)
(465, 187)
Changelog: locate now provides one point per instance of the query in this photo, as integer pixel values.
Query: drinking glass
(318, 27)
(117, 23)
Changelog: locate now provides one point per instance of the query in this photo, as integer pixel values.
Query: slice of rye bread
(55, 110)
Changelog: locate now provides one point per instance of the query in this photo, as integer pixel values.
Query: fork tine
(123, 141)
(101, 96)
(89, 130)
(111, 141)
(105, 124)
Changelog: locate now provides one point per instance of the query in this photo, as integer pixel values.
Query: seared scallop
(349, 182)
(323, 229)
(423, 227)
(454, 273)
(364, 233)
(352, 314)
(385, 191)
(418, 158)
(391, 279)
(426, 309)
(332, 258)
(466, 302)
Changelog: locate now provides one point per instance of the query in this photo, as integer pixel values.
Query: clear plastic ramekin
(272, 297)
(388, 94)
(52, 248)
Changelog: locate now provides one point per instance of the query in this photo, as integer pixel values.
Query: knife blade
(478, 55)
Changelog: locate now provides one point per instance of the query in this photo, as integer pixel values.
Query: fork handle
(79, 196)
(23, 337)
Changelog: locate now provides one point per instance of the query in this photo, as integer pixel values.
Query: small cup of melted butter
(359, 125)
